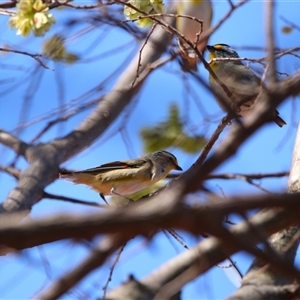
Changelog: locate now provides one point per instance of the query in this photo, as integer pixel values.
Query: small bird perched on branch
(126, 177)
(202, 10)
(240, 81)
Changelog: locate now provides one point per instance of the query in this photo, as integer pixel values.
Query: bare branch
(13, 142)
(98, 256)
(293, 25)
(6, 12)
(240, 132)
(270, 37)
(16, 174)
(112, 104)
(118, 255)
(72, 200)
(196, 261)
(9, 4)
(10, 170)
(36, 57)
(266, 221)
(68, 3)
(294, 180)
(247, 176)
(137, 221)
(262, 278)
(213, 139)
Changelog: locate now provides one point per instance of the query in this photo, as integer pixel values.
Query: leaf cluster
(170, 133)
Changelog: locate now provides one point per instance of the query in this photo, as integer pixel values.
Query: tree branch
(194, 177)
(272, 78)
(133, 222)
(264, 279)
(138, 220)
(14, 143)
(98, 256)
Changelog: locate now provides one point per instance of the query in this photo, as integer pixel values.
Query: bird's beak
(209, 48)
(178, 168)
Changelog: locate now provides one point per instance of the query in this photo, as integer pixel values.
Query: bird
(240, 80)
(202, 10)
(125, 177)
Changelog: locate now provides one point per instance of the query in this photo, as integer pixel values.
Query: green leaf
(170, 133)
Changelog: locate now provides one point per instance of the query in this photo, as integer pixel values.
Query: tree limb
(13, 142)
(261, 278)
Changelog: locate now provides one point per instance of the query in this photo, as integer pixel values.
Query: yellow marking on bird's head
(218, 46)
(212, 52)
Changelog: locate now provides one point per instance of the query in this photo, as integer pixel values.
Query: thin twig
(176, 237)
(293, 25)
(73, 5)
(241, 176)
(140, 55)
(214, 138)
(11, 171)
(258, 186)
(72, 200)
(37, 57)
(7, 12)
(16, 174)
(96, 258)
(272, 78)
(117, 258)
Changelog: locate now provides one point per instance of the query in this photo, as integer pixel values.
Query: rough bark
(262, 281)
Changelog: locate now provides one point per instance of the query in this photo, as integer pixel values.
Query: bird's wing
(246, 85)
(115, 165)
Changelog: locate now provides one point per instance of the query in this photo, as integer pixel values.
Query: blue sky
(269, 150)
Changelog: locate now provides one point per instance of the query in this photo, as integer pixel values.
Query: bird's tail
(65, 173)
